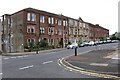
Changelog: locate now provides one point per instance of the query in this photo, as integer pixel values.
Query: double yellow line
(63, 63)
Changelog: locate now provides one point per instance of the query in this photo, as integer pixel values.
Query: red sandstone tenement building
(97, 32)
(32, 25)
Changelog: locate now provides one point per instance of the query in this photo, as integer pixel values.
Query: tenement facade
(32, 25)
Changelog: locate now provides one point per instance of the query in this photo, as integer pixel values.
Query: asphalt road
(43, 65)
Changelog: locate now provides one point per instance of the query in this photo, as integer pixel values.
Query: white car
(84, 44)
(72, 46)
(91, 43)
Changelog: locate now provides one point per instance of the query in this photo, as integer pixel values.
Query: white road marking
(99, 64)
(47, 62)
(5, 58)
(51, 53)
(13, 57)
(20, 56)
(26, 67)
(25, 56)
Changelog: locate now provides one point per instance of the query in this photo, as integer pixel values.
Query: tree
(113, 37)
(43, 43)
(31, 45)
(102, 39)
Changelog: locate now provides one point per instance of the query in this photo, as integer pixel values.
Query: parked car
(91, 43)
(101, 42)
(84, 44)
(96, 42)
(109, 41)
(72, 46)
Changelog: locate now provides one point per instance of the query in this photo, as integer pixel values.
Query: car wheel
(73, 47)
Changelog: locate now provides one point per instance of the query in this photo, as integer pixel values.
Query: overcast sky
(102, 12)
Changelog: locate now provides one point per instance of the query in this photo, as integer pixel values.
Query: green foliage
(101, 39)
(43, 43)
(36, 47)
(57, 46)
(66, 45)
(31, 45)
(113, 37)
(53, 47)
(78, 42)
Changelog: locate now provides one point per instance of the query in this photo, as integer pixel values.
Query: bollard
(36, 51)
(75, 51)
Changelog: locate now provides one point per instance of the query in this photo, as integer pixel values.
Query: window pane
(28, 16)
(42, 19)
(49, 20)
(33, 17)
(63, 23)
(59, 22)
(43, 30)
(56, 21)
(52, 20)
(28, 40)
(28, 29)
(33, 29)
(66, 23)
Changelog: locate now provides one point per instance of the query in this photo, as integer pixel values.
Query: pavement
(32, 53)
(101, 63)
